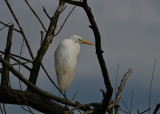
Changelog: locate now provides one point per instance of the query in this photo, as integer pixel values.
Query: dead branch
(42, 37)
(65, 21)
(48, 39)
(21, 63)
(7, 25)
(156, 109)
(36, 15)
(150, 89)
(118, 95)
(8, 95)
(77, 3)
(46, 13)
(143, 111)
(4, 25)
(36, 89)
(53, 81)
(5, 72)
(22, 32)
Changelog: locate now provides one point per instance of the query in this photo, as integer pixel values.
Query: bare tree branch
(36, 101)
(22, 32)
(22, 63)
(5, 72)
(4, 25)
(156, 109)
(36, 15)
(4, 109)
(14, 55)
(118, 95)
(46, 13)
(143, 111)
(77, 3)
(65, 21)
(53, 81)
(150, 90)
(8, 26)
(36, 89)
(48, 39)
(42, 37)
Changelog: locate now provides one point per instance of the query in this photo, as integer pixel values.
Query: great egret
(66, 60)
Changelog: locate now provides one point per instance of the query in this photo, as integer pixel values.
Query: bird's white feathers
(66, 60)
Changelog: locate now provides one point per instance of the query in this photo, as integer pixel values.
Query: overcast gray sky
(130, 31)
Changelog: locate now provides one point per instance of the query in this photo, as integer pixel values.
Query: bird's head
(78, 39)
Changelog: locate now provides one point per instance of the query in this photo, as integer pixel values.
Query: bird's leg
(65, 93)
(59, 94)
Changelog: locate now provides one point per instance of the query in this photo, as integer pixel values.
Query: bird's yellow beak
(85, 42)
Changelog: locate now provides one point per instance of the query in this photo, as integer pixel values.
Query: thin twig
(53, 81)
(5, 26)
(22, 32)
(74, 96)
(65, 21)
(124, 104)
(156, 109)
(19, 68)
(30, 111)
(8, 26)
(36, 15)
(5, 81)
(123, 111)
(22, 63)
(4, 109)
(151, 85)
(143, 111)
(46, 13)
(14, 55)
(73, 2)
(118, 95)
(42, 37)
(1, 109)
(116, 79)
(83, 105)
(131, 102)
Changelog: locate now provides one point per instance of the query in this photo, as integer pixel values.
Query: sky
(130, 38)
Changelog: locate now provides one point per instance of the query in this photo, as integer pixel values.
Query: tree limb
(156, 109)
(48, 39)
(22, 32)
(118, 95)
(7, 25)
(77, 3)
(5, 71)
(25, 59)
(36, 15)
(36, 89)
(40, 103)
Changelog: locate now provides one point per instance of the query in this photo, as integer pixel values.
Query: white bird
(66, 60)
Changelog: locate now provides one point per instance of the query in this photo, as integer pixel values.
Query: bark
(40, 103)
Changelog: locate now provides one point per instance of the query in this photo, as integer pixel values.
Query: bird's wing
(65, 65)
